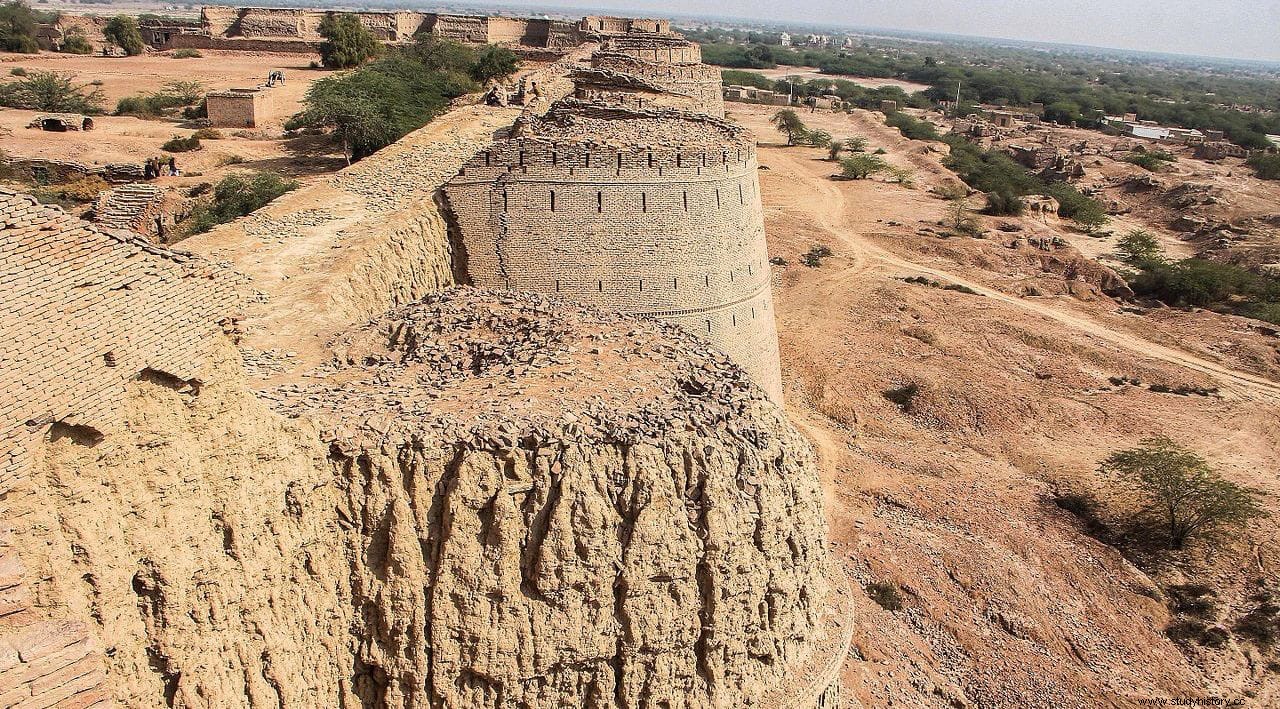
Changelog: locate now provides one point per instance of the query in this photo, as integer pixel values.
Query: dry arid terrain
(950, 422)
(959, 391)
(125, 139)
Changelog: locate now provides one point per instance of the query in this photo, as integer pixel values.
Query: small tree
(1091, 216)
(959, 219)
(816, 138)
(861, 166)
(51, 91)
(18, 28)
(494, 62)
(789, 122)
(122, 31)
(855, 144)
(903, 176)
(76, 43)
(347, 43)
(834, 149)
(1004, 202)
(1189, 497)
(1139, 246)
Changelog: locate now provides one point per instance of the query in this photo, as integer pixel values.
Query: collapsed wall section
(650, 212)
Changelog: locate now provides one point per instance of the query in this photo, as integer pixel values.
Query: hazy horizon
(1231, 29)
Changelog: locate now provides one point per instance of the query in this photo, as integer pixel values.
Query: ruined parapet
(669, 49)
(606, 25)
(698, 82)
(655, 213)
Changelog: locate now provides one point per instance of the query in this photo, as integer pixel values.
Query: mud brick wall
(238, 109)
(671, 50)
(697, 81)
(85, 311)
(669, 231)
(623, 25)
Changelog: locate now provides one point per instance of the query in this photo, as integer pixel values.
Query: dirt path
(831, 213)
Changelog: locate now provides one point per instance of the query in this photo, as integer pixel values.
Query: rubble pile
(483, 366)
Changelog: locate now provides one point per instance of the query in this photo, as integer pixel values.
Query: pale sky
(1244, 29)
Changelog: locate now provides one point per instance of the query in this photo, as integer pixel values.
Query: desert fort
(610, 382)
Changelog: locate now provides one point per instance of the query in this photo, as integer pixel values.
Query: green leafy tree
(1182, 490)
(1139, 246)
(122, 31)
(960, 219)
(788, 121)
(51, 91)
(382, 101)
(815, 138)
(236, 196)
(860, 166)
(1004, 203)
(347, 43)
(18, 28)
(1091, 217)
(1266, 167)
(76, 43)
(494, 62)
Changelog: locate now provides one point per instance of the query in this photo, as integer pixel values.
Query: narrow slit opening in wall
(679, 160)
(505, 200)
(600, 286)
(685, 196)
(704, 159)
(675, 282)
(599, 201)
(641, 285)
(555, 158)
(586, 160)
(753, 313)
(708, 326)
(488, 158)
(742, 197)
(650, 158)
(706, 279)
(717, 198)
(557, 286)
(553, 200)
(521, 158)
(734, 318)
(619, 161)
(644, 201)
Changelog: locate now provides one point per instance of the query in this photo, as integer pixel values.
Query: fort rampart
(303, 25)
(697, 81)
(659, 217)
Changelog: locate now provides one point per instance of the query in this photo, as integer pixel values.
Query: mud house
(239, 108)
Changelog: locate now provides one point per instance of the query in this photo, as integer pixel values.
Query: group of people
(159, 167)
(526, 92)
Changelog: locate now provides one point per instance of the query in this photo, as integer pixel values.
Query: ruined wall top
(575, 120)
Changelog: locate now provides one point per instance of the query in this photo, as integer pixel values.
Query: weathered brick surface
(86, 310)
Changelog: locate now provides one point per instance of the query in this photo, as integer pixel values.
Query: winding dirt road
(831, 211)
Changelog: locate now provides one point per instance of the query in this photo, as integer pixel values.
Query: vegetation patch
(383, 101)
(178, 144)
(236, 196)
(1151, 160)
(886, 595)
(187, 53)
(51, 91)
(813, 257)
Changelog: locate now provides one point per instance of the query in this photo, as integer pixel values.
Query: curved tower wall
(697, 81)
(669, 232)
(656, 48)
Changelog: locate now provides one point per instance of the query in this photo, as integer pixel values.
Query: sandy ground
(950, 496)
(807, 72)
(148, 73)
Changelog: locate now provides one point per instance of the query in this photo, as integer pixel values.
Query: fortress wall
(698, 81)
(624, 25)
(670, 50)
(462, 28)
(512, 30)
(676, 233)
